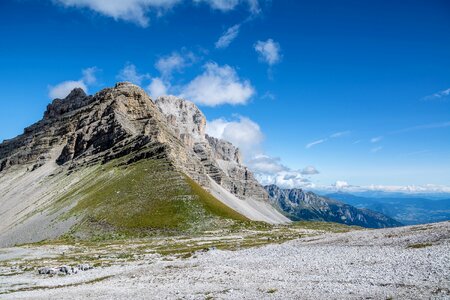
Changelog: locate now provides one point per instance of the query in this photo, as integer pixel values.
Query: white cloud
(228, 36)
(61, 90)
(414, 189)
(340, 184)
(223, 5)
(243, 133)
(218, 85)
(137, 11)
(270, 170)
(254, 6)
(89, 75)
(269, 51)
(312, 144)
(174, 62)
(227, 5)
(408, 189)
(134, 11)
(157, 88)
(130, 73)
(247, 136)
(438, 95)
(309, 170)
(376, 139)
(285, 179)
(265, 164)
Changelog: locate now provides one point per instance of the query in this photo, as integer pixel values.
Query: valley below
(304, 260)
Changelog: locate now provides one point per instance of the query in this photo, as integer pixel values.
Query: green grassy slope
(148, 196)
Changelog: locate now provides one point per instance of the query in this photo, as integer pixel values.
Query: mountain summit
(119, 163)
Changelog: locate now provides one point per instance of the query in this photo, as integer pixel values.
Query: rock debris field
(401, 263)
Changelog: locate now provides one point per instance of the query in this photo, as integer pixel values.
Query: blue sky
(318, 94)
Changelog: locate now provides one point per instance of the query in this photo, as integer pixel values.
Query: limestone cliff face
(123, 122)
(220, 159)
(110, 124)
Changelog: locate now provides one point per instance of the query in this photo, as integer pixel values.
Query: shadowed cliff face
(300, 205)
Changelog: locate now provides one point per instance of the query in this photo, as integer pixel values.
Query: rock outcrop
(220, 159)
(301, 205)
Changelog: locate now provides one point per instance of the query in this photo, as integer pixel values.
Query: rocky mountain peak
(76, 93)
(76, 99)
(184, 117)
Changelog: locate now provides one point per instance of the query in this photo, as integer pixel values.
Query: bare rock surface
(395, 263)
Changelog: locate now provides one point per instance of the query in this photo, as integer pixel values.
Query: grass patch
(149, 197)
(211, 204)
(325, 226)
(420, 245)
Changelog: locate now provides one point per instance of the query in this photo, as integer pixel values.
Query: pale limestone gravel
(369, 264)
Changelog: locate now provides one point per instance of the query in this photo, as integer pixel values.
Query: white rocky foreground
(401, 263)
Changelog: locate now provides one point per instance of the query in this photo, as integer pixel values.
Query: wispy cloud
(227, 5)
(376, 139)
(376, 149)
(340, 134)
(130, 73)
(228, 36)
(315, 143)
(335, 135)
(175, 62)
(414, 153)
(423, 127)
(268, 95)
(438, 95)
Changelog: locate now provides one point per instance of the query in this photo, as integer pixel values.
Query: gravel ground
(401, 263)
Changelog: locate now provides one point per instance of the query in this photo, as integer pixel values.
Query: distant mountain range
(407, 210)
(300, 205)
